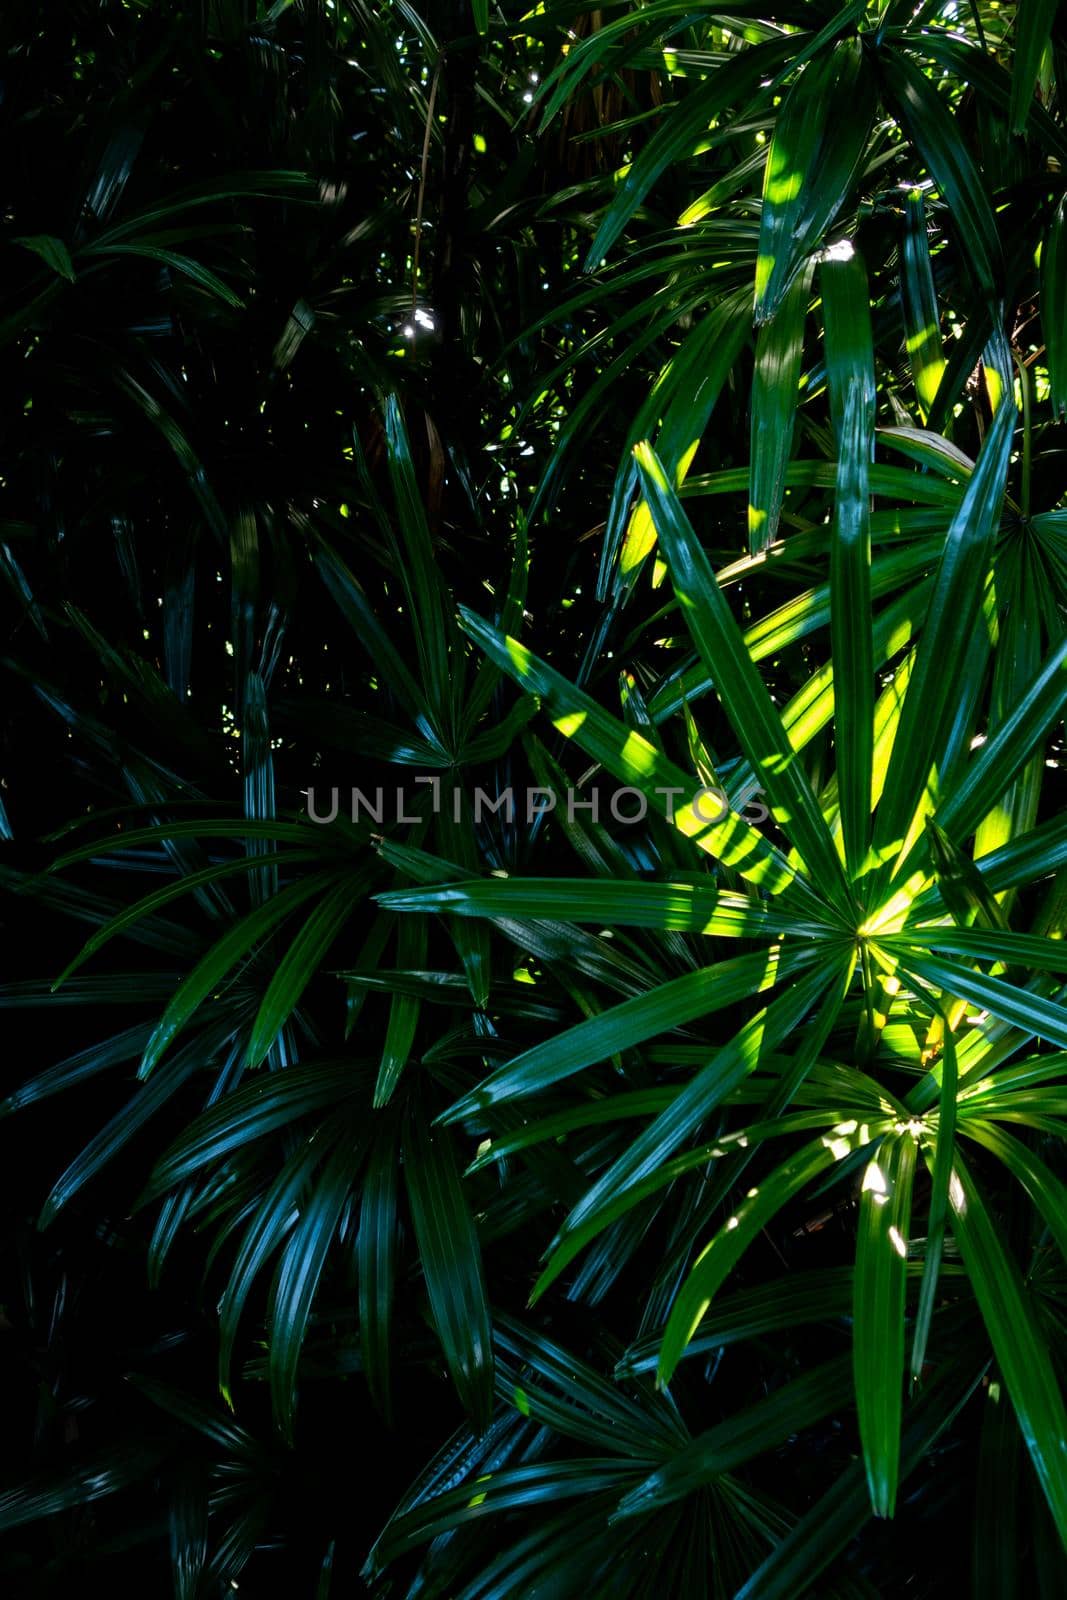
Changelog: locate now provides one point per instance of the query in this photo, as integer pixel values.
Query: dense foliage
(534, 558)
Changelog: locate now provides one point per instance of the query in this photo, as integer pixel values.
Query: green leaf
(851, 364)
(269, 1102)
(1054, 306)
(352, 602)
(944, 1144)
(1026, 859)
(458, 839)
(820, 133)
(1021, 732)
(570, 1396)
(300, 1268)
(726, 1068)
(1041, 1018)
(541, 1483)
(848, 338)
(1046, 1190)
(682, 130)
(116, 1134)
(419, 574)
(212, 970)
(294, 187)
(718, 1258)
(749, 1433)
(931, 450)
(100, 1474)
(680, 907)
(1001, 1476)
(744, 697)
(1020, 1346)
(451, 1263)
(775, 394)
(939, 140)
(684, 396)
(878, 1313)
(795, 1300)
(199, 1415)
(300, 963)
(800, 617)
(922, 320)
(53, 252)
(188, 1531)
(628, 756)
(952, 615)
(125, 1046)
(963, 887)
(623, 1027)
(1033, 25)
(978, 66)
(297, 833)
(377, 1266)
(404, 1012)
(799, 1559)
(1035, 951)
(272, 1221)
(610, 1108)
(195, 271)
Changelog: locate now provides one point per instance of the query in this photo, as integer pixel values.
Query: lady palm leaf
(652, 411)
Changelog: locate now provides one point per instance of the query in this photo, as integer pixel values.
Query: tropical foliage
(535, 570)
